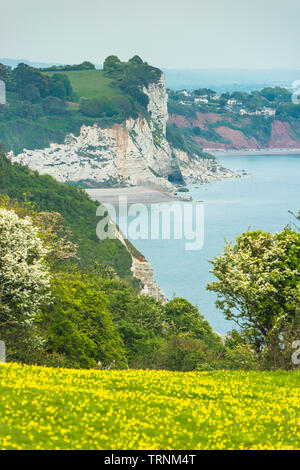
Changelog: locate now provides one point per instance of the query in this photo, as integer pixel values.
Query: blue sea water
(260, 200)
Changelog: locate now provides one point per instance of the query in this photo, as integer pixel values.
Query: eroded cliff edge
(133, 153)
(141, 269)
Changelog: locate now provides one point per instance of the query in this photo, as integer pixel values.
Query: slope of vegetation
(89, 84)
(95, 311)
(238, 111)
(43, 408)
(74, 205)
(43, 105)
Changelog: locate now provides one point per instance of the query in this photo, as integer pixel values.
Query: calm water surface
(261, 200)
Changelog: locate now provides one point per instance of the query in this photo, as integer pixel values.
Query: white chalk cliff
(133, 153)
(142, 270)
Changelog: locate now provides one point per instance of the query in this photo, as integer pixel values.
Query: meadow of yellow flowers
(44, 408)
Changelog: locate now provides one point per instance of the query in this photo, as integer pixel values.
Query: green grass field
(89, 84)
(44, 408)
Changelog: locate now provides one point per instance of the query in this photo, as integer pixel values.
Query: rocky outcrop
(201, 170)
(142, 270)
(133, 153)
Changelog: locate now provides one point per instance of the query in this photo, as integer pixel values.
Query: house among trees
(184, 92)
(259, 112)
(2, 92)
(268, 111)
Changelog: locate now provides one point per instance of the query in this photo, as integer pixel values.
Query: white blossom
(24, 274)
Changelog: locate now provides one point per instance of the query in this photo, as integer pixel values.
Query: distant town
(236, 103)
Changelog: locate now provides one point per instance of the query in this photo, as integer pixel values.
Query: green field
(89, 84)
(44, 408)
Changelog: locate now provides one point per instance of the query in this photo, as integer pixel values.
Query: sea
(262, 198)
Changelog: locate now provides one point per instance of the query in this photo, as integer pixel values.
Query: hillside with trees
(69, 300)
(261, 119)
(43, 105)
(77, 302)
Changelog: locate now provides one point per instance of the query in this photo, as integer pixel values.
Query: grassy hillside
(75, 206)
(89, 84)
(43, 408)
(45, 105)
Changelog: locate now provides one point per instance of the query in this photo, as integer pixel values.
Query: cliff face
(282, 134)
(133, 153)
(143, 271)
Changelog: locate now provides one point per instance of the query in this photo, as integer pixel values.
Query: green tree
(111, 62)
(7, 76)
(186, 318)
(24, 283)
(61, 86)
(86, 65)
(276, 94)
(78, 325)
(28, 76)
(98, 107)
(27, 110)
(53, 105)
(259, 288)
(136, 60)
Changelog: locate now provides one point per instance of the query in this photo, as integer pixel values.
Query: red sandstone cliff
(282, 134)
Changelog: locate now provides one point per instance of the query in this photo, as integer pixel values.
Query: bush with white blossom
(24, 274)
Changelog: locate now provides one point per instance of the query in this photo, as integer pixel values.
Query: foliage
(258, 127)
(288, 110)
(88, 84)
(56, 236)
(185, 352)
(61, 86)
(93, 316)
(276, 94)
(28, 77)
(181, 140)
(78, 325)
(98, 107)
(24, 281)
(186, 319)
(157, 335)
(45, 105)
(111, 62)
(44, 408)
(53, 105)
(204, 92)
(251, 125)
(258, 287)
(96, 316)
(86, 65)
(78, 211)
(7, 76)
(131, 77)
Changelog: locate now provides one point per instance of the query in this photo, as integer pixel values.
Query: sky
(191, 34)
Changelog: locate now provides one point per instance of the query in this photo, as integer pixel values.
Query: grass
(90, 84)
(44, 408)
(17, 133)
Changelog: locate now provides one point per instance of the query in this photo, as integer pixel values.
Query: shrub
(258, 288)
(24, 282)
(53, 105)
(78, 325)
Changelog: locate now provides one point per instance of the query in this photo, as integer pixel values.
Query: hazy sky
(166, 33)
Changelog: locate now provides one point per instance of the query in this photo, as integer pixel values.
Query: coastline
(266, 151)
(134, 195)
